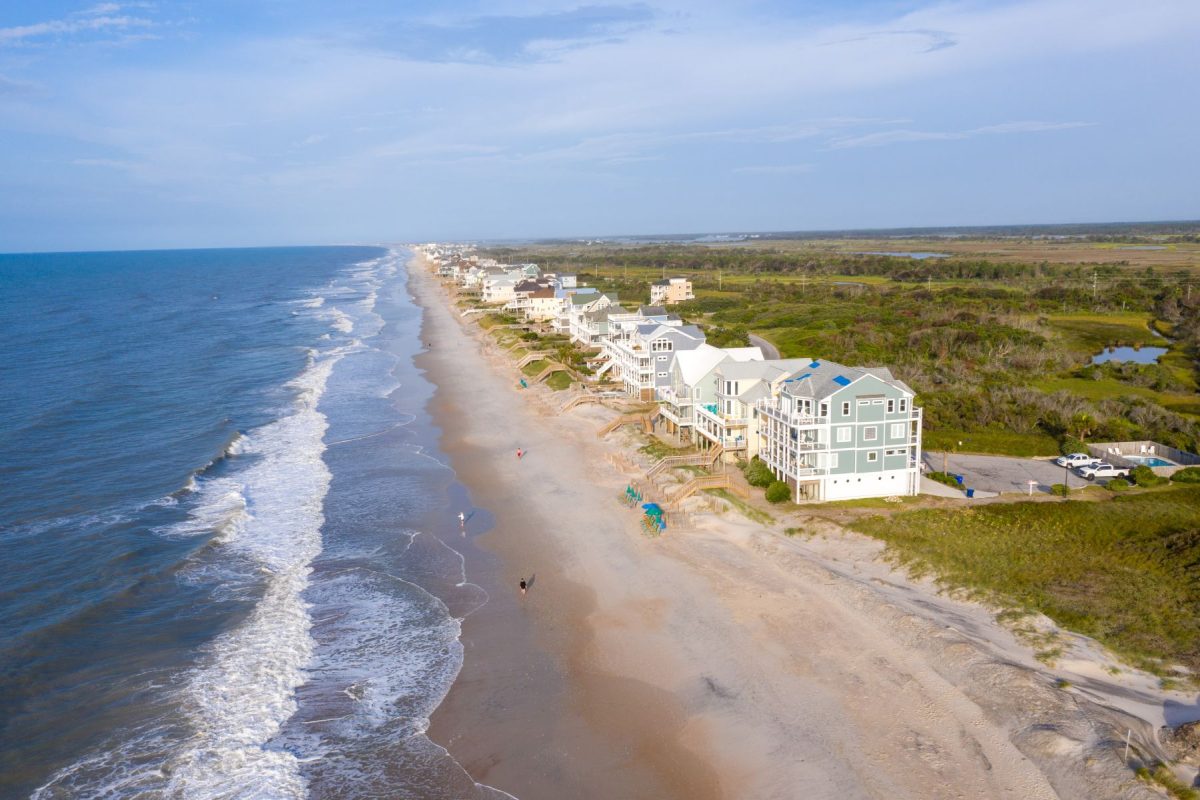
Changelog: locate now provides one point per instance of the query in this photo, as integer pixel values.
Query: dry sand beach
(725, 661)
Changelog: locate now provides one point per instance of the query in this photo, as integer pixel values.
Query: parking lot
(1005, 474)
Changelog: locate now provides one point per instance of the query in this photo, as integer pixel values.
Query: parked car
(1075, 460)
(1102, 469)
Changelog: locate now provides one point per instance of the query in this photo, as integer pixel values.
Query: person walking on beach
(524, 586)
(462, 520)
(520, 453)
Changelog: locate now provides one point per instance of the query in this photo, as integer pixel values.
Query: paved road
(769, 350)
(1004, 474)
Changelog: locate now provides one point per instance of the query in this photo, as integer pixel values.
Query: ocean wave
(266, 517)
(239, 700)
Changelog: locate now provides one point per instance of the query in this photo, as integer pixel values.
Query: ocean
(227, 535)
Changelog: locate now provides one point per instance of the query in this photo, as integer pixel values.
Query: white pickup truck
(1102, 469)
(1075, 460)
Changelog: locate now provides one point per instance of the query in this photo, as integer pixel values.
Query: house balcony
(767, 408)
(680, 416)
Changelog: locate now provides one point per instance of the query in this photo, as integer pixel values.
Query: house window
(844, 434)
(824, 409)
(897, 430)
(870, 433)
(662, 358)
(872, 457)
(662, 374)
(832, 461)
(904, 404)
(876, 402)
(891, 406)
(846, 409)
(864, 402)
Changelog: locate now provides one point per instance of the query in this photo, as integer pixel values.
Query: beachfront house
(640, 357)
(689, 375)
(833, 432)
(724, 414)
(670, 291)
(588, 323)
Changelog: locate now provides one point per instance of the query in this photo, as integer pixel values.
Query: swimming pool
(1150, 461)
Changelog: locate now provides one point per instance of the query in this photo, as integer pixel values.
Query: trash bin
(970, 492)
(959, 479)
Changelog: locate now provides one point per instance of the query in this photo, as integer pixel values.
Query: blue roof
(842, 380)
(815, 364)
(801, 377)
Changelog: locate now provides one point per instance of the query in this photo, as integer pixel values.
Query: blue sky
(184, 124)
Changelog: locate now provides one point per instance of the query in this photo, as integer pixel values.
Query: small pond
(1138, 355)
(897, 254)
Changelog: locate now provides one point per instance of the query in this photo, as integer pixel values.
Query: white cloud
(100, 18)
(880, 138)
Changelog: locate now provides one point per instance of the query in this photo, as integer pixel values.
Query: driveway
(1005, 474)
(770, 352)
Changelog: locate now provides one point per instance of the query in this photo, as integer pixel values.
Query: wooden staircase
(708, 459)
(722, 481)
(580, 400)
(641, 418)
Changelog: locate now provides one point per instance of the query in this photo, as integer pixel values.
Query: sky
(128, 125)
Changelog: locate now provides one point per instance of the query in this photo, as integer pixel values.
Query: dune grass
(1121, 571)
(534, 367)
(559, 380)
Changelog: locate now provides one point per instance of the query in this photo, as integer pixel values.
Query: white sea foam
(341, 321)
(267, 514)
(315, 302)
(238, 700)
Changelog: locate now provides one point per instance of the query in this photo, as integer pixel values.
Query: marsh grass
(1122, 571)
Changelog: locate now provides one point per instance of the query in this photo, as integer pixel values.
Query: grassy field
(1097, 331)
(1122, 571)
(987, 440)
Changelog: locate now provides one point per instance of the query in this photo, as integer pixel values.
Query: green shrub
(1060, 489)
(1117, 485)
(1072, 445)
(1144, 476)
(778, 492)
(1187, 475)
(944, 477)
(758, 474)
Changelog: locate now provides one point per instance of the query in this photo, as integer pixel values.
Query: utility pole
(1093, 286)
(720, 281)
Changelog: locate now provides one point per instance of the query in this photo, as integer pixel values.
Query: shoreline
(727, 661)
(529, 699)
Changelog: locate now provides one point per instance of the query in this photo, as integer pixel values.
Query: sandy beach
(726, 660)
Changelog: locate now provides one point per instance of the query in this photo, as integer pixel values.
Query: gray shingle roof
(818, 379)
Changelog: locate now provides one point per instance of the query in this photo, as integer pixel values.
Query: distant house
(670, 291)
(834, 432)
